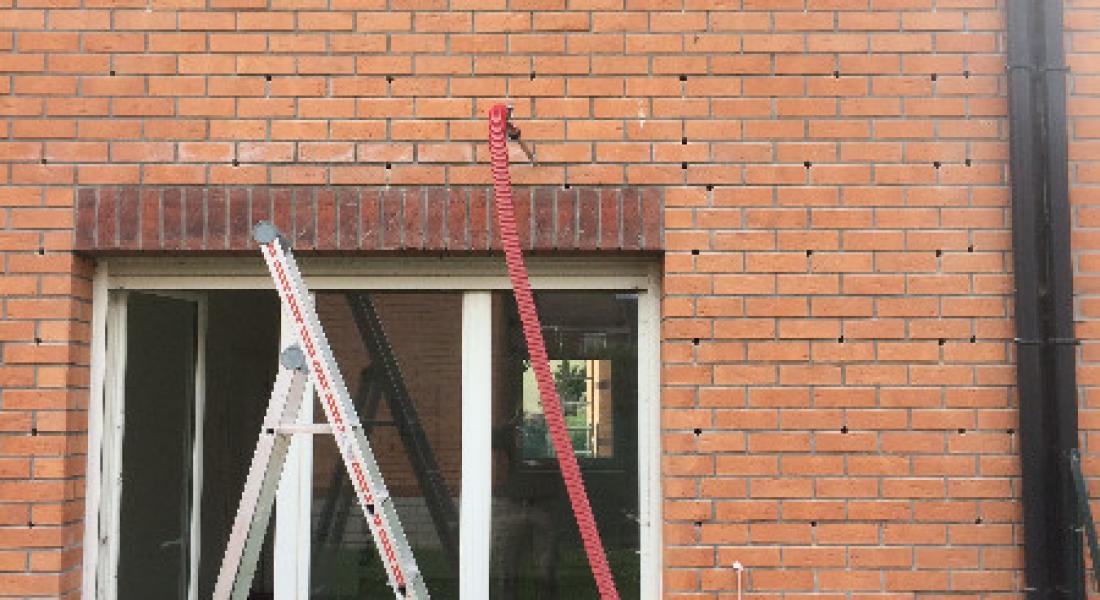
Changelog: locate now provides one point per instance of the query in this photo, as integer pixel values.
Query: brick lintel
(321, 218)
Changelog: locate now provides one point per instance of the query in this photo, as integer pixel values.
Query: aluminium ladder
(311, 357)
(383, 377)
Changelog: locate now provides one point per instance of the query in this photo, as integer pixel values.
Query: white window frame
(108, 431)
(475, 277)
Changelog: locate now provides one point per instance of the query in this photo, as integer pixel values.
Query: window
(436, 365)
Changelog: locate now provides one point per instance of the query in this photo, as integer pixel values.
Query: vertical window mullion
(293, 501)
(477, 468)
(649, 440)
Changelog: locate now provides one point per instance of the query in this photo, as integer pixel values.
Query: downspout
(1045, 352)
(1062, 337)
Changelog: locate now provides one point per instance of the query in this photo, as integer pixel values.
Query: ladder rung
(314, 429)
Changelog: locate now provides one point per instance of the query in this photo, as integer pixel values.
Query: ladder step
(313, 429)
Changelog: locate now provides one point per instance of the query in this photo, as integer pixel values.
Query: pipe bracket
(1047, 341)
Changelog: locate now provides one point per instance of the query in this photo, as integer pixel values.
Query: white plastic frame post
(366, 478)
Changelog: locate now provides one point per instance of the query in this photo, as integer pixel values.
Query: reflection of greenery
(536, 438)
(575, 577)
(571, 384)
(579, 439)
(354, 573)
(571, 381)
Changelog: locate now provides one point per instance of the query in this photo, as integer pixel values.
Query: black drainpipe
(1045, 345)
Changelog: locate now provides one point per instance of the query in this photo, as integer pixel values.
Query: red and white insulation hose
(536, 348)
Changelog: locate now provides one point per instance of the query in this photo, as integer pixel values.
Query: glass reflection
(592, 341)
(401, 356)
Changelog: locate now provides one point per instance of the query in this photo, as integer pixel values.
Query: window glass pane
(592, 342)
(401, 356)
(155, 503)
(242, 353)
(158, 474)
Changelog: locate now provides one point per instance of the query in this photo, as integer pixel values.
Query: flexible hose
(536, 348)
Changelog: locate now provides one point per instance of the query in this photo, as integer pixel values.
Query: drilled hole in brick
(933, 76)
(978, 521)
(683, 141)
(937, 164)
(970, 248)
(843, 429)
(710, 187)
(836, 74)
(809, 253)
(939, 253)
(807, 164)
(695, 341)
(962, 431)
(966, 74)
(267, 77)
(683, 78)
(697, 431)
(942, 341)
(683, 165)
(695, 252)
(967, 162)
(840, 340)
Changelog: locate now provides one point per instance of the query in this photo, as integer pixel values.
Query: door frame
(471, 275)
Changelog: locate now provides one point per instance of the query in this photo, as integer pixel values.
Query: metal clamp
(515, 135)
(1054, 341)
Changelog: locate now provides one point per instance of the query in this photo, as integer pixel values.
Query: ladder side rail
(441, 506)
(370, 489)
(254, 511)
(344, 511)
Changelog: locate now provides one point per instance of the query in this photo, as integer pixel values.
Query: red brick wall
(837, 319)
